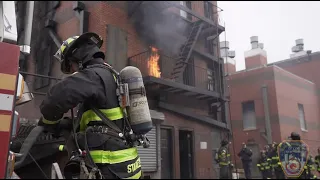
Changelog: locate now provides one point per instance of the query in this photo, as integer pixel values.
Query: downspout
(25, 48)
(83, 16)
(264, 89)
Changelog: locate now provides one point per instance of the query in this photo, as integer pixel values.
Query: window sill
(250, 129)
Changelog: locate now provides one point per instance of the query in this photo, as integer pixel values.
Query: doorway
(166, 154)
(186, 154)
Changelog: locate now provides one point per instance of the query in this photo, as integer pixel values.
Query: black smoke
(166, 31)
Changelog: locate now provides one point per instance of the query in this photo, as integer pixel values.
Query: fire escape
(179, 74)
(175, 68)
(186, 49)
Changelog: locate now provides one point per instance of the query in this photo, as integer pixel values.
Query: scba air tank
(138, 111)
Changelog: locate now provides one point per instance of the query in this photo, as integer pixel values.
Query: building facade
(269, 101)
(176, 47)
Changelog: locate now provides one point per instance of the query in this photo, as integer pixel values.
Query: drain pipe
(264, 89)
(25, 48)
(83, 16)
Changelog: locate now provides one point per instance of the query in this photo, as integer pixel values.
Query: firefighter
(264, 165)
(245, 156)
(308, 168)
(223, 158)
(317, 161)
(275, 162)
(91, 84)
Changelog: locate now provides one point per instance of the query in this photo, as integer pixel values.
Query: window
(213, 111)
(208, 10)
(189, 73)
(302, 119)
(211, 84)
(249, 115)
(183, 13)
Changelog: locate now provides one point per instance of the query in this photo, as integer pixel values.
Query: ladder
(186, 50)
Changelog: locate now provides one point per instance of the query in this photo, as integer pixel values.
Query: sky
(277, 24)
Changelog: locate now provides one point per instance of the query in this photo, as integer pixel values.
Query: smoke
(165, 31)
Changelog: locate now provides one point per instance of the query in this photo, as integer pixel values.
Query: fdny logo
(293, 156)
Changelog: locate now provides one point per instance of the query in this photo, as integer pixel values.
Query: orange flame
(153, 63)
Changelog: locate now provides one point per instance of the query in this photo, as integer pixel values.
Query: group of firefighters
(268, 164)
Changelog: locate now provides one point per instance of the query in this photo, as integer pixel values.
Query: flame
(153, 63)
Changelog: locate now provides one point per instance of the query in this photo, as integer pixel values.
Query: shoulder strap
(106, 120)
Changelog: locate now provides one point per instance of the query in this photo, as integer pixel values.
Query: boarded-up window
(302, 119)
(117, 47)
(249, 115)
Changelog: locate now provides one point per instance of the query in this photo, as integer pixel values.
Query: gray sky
(277, 24)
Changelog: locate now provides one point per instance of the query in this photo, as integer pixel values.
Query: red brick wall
(229, 68)
(103, 13)
(246, 86)
(285, 91)
(202, 133)
(306, 69)
(288, 97)
(255, 61)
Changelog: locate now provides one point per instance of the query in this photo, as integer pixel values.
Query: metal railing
(192, 76)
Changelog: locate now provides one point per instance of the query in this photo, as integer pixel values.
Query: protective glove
(50, 126)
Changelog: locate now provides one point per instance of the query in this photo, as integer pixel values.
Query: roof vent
(254, 42)
(231, 54)
(295, 49)
(299, 42)
(224, 45)
(261, 45)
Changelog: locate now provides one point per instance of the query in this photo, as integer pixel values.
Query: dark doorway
(166, 154)
(186, 154)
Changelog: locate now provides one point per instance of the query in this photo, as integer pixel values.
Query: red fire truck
(13, 89)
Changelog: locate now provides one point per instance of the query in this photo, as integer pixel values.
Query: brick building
(176, 47)
(269, 101)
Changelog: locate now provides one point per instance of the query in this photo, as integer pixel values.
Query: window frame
(244, 107)
(302, 117)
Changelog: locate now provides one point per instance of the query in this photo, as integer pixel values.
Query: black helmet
(295, 136)
(224, 142)
(91, 42)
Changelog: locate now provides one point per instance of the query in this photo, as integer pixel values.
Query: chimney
(255, 57)
(229, 62)
(298, 49)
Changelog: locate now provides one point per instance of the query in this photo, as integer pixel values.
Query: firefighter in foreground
(264, 165)
(93, 85)
(275, 162)
(223, 158)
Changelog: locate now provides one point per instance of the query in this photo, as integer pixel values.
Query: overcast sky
(277, 24)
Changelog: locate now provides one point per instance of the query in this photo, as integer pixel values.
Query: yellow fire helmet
(70, 45)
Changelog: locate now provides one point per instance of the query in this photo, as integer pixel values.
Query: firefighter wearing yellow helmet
(93, 86)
